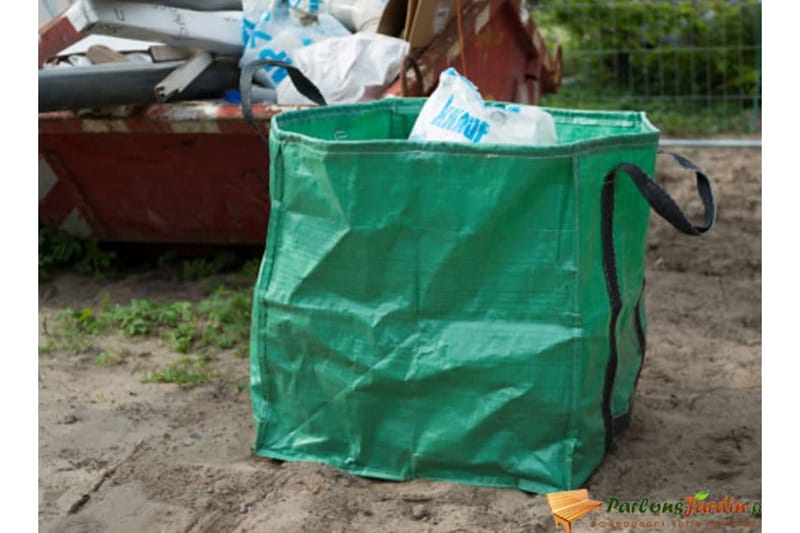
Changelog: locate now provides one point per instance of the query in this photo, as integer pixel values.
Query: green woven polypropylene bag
(470, 313)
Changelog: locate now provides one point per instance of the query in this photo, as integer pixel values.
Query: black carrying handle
(303, 85)
(663, 204)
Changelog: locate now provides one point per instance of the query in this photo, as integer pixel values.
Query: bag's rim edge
(405, 145)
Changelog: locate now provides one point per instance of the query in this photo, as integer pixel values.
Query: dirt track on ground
(167, 459)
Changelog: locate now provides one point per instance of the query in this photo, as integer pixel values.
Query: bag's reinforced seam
(417, 329)
(273, 236)
(577, 319)
(640, 335)
(642, 339)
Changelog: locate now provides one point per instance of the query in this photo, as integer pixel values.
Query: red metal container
(195, 172)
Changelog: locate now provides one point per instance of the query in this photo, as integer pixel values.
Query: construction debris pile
(104, 52)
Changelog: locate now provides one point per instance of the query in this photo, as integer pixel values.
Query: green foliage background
(692, 65)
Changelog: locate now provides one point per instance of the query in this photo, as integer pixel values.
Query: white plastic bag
(455, 112)
(347, 69)
(274, 29)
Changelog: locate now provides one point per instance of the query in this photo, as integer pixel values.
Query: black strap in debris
(303, 85)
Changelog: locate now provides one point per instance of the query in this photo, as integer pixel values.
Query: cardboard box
(416, 21)
(430, 18)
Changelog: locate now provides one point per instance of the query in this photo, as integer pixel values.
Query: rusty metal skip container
(195, 172)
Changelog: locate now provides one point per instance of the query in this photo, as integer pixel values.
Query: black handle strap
(303, 85)
(663, 204)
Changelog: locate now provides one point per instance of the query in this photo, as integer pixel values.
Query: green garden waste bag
(470, 313)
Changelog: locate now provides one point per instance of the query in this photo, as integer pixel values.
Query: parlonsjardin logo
(695, 511)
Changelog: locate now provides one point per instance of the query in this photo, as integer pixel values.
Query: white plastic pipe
(181, 77)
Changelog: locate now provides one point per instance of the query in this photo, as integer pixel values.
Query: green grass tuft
(187, 372)
(220, 321)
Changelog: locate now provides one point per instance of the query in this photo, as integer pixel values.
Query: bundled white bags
(455, 112)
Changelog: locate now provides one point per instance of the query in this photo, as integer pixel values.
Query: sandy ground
(160, 458)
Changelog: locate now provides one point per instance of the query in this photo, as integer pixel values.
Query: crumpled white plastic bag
(354, 68)
(456, 112)
(275, 29)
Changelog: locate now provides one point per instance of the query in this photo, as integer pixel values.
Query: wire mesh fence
(693, 65)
